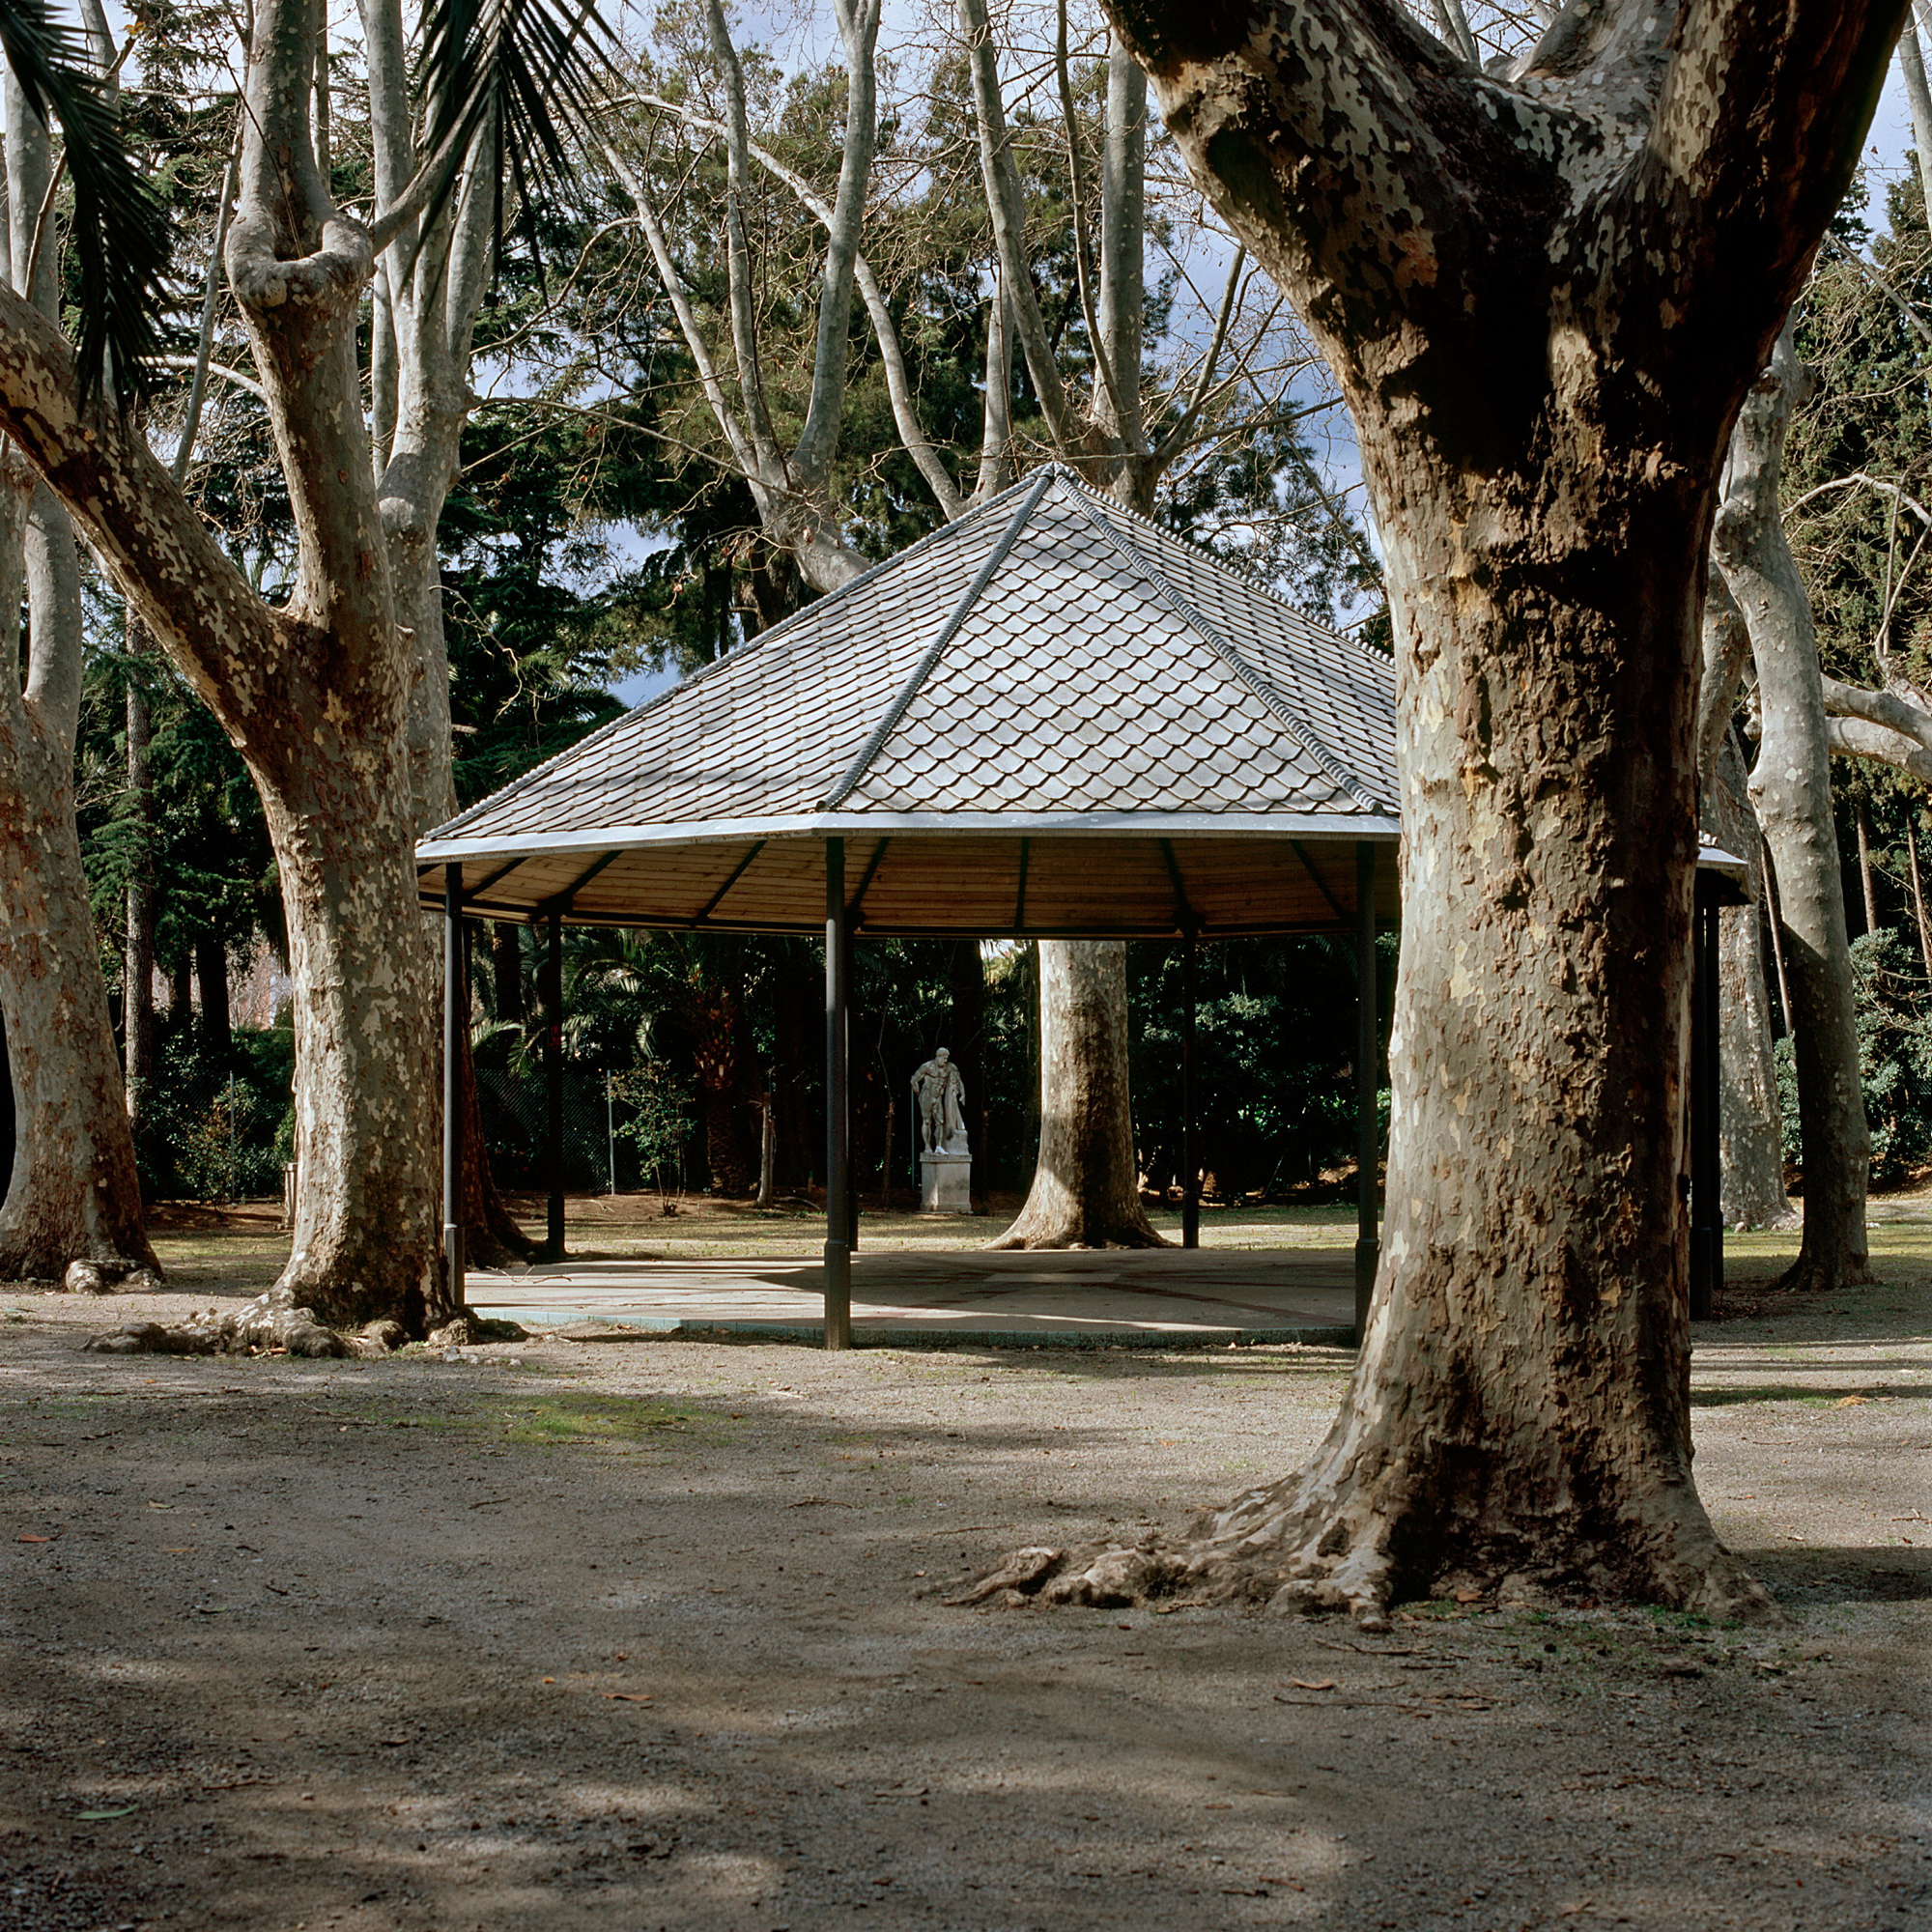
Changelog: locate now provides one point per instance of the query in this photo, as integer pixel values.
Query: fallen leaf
(1311, 1683)
(24, 1538)
(120, 1811)
(1468, 1596)
(1850, 1400)
(625, 1696)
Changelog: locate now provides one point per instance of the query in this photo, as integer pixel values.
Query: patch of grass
(587, 1422)
(1677, 1620)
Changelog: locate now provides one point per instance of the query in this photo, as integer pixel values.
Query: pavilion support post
(1190, 1158)
(1368, 1140)
(455, 1006)
(845, 1047)
(553, 1003)
(838, 1122)
(1707, 1218)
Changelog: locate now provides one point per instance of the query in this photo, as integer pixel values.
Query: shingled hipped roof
(1049, 717)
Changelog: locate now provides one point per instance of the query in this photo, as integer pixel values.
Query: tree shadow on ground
(1811, 1397)
(1812, 1577)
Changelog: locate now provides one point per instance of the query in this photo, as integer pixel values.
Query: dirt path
(641, 1634)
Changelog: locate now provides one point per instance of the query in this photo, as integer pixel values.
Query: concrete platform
(1163, 1298)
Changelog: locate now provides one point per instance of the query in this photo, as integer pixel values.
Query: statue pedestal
(946, 1180)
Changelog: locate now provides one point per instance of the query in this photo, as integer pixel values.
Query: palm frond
(122, 234)
(523, 72)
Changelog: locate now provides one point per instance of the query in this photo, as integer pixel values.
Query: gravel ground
(647, 1634)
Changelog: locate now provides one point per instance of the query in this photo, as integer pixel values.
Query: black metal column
(553, 1001)
(1368, 1141)
(838, 1124)
(1190, 1158)
(1707, 1219)
(851, 1182)
(455, 1006)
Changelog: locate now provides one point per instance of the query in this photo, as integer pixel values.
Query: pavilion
(1051, 719)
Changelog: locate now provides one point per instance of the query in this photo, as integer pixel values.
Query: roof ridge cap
(1257, 682)
(931, 656)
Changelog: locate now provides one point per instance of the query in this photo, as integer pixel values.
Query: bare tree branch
(737, 249)
(743, 451)
(1002, 199)
(919, 447)
(858, 24)
(1176, 439)
(1076, 174)
(1859, 738)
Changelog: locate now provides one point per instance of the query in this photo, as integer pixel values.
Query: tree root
(1331, 1566)
(272, 1323)
(111, 1275)
(1039, 1234)
(1824, 1274)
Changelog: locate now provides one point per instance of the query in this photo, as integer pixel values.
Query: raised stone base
(946, 1182)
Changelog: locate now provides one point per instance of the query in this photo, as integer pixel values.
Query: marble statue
(945, 1161)
(940, 1095)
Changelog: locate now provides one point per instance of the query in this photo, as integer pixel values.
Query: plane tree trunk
(430, 285)
(1751, 1125)
(1086, 1185)
(137, 958)
(71, 1190)
(1750, 1136)
(313, 694)
(1545, 293)
(1791, 790)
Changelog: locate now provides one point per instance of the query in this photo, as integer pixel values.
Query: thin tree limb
(737, 247)
(918, 445)
(819, 440)
(743, 451)
(1176, 439)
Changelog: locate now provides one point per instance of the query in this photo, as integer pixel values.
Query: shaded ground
(642, 1635)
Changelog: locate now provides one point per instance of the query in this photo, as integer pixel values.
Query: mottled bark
(1544, 294)
(430, 283)
(1086, 1185)
(792, 488)
(72, 1191)
(1791, 792)
(1750, 1138)
(313, 694)
(6, 1102)
(137, 952)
